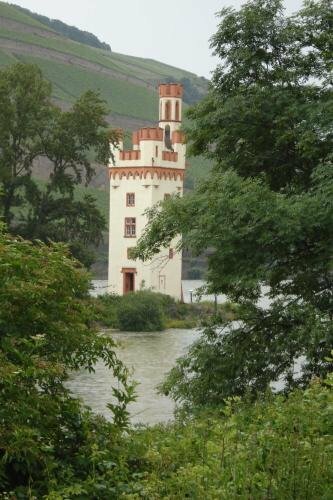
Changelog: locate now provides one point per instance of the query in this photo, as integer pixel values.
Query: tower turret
(170, 109)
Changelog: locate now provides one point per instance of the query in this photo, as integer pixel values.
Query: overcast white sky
(175, 32)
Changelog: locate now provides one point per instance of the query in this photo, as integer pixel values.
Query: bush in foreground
(140, 311)
(48, 440)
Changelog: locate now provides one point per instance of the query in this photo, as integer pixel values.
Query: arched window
(167, 110)
(177, 112)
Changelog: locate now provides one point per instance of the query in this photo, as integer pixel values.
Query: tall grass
(278, 449)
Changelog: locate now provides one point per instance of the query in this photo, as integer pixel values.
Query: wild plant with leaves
(48, 439)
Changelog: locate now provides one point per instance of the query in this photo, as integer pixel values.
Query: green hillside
(10, 12)
(128, 84)
(69, 31)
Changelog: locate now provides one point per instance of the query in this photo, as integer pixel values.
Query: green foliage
(244, 357)
(276, 448)
(106, 307)
(49, 441)
(269, 110)
(174, 314)
(264, 216)
(31, 126)
(141, 312)
(52, 447)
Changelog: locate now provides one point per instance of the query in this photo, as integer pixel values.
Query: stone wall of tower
(151, 170)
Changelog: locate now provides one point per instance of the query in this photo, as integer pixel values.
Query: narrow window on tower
(170, 253)
(156, 151)
(130, 227)
(177, 111)
(130, 253)
(167, 196)
(168, 110)
(167, 137)
(130, 199)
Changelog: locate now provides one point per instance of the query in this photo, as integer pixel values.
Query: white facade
(139, 178)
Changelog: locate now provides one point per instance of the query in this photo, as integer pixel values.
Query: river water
(151, 356)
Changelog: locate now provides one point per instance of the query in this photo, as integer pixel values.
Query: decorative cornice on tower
(170, 90)
(142, 172)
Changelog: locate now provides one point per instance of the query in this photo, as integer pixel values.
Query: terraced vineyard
(128, 84)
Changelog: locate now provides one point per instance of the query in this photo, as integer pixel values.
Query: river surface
(150, 355)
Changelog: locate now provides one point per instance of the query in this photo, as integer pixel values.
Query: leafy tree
(265, 214)
(25, 112)
(269, 110)
(48, 440)
(31, 126)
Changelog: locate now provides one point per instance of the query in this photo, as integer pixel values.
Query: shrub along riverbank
(149, 311)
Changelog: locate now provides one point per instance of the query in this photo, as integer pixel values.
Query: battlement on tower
(170, 90)
(147, 134)
(162, 146)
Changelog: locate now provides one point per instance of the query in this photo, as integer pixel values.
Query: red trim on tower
(169, 121)
(142, 172)
(135, 138)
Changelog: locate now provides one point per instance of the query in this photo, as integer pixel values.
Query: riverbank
(150, 311)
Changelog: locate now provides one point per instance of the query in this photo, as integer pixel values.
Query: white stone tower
(150, 172)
